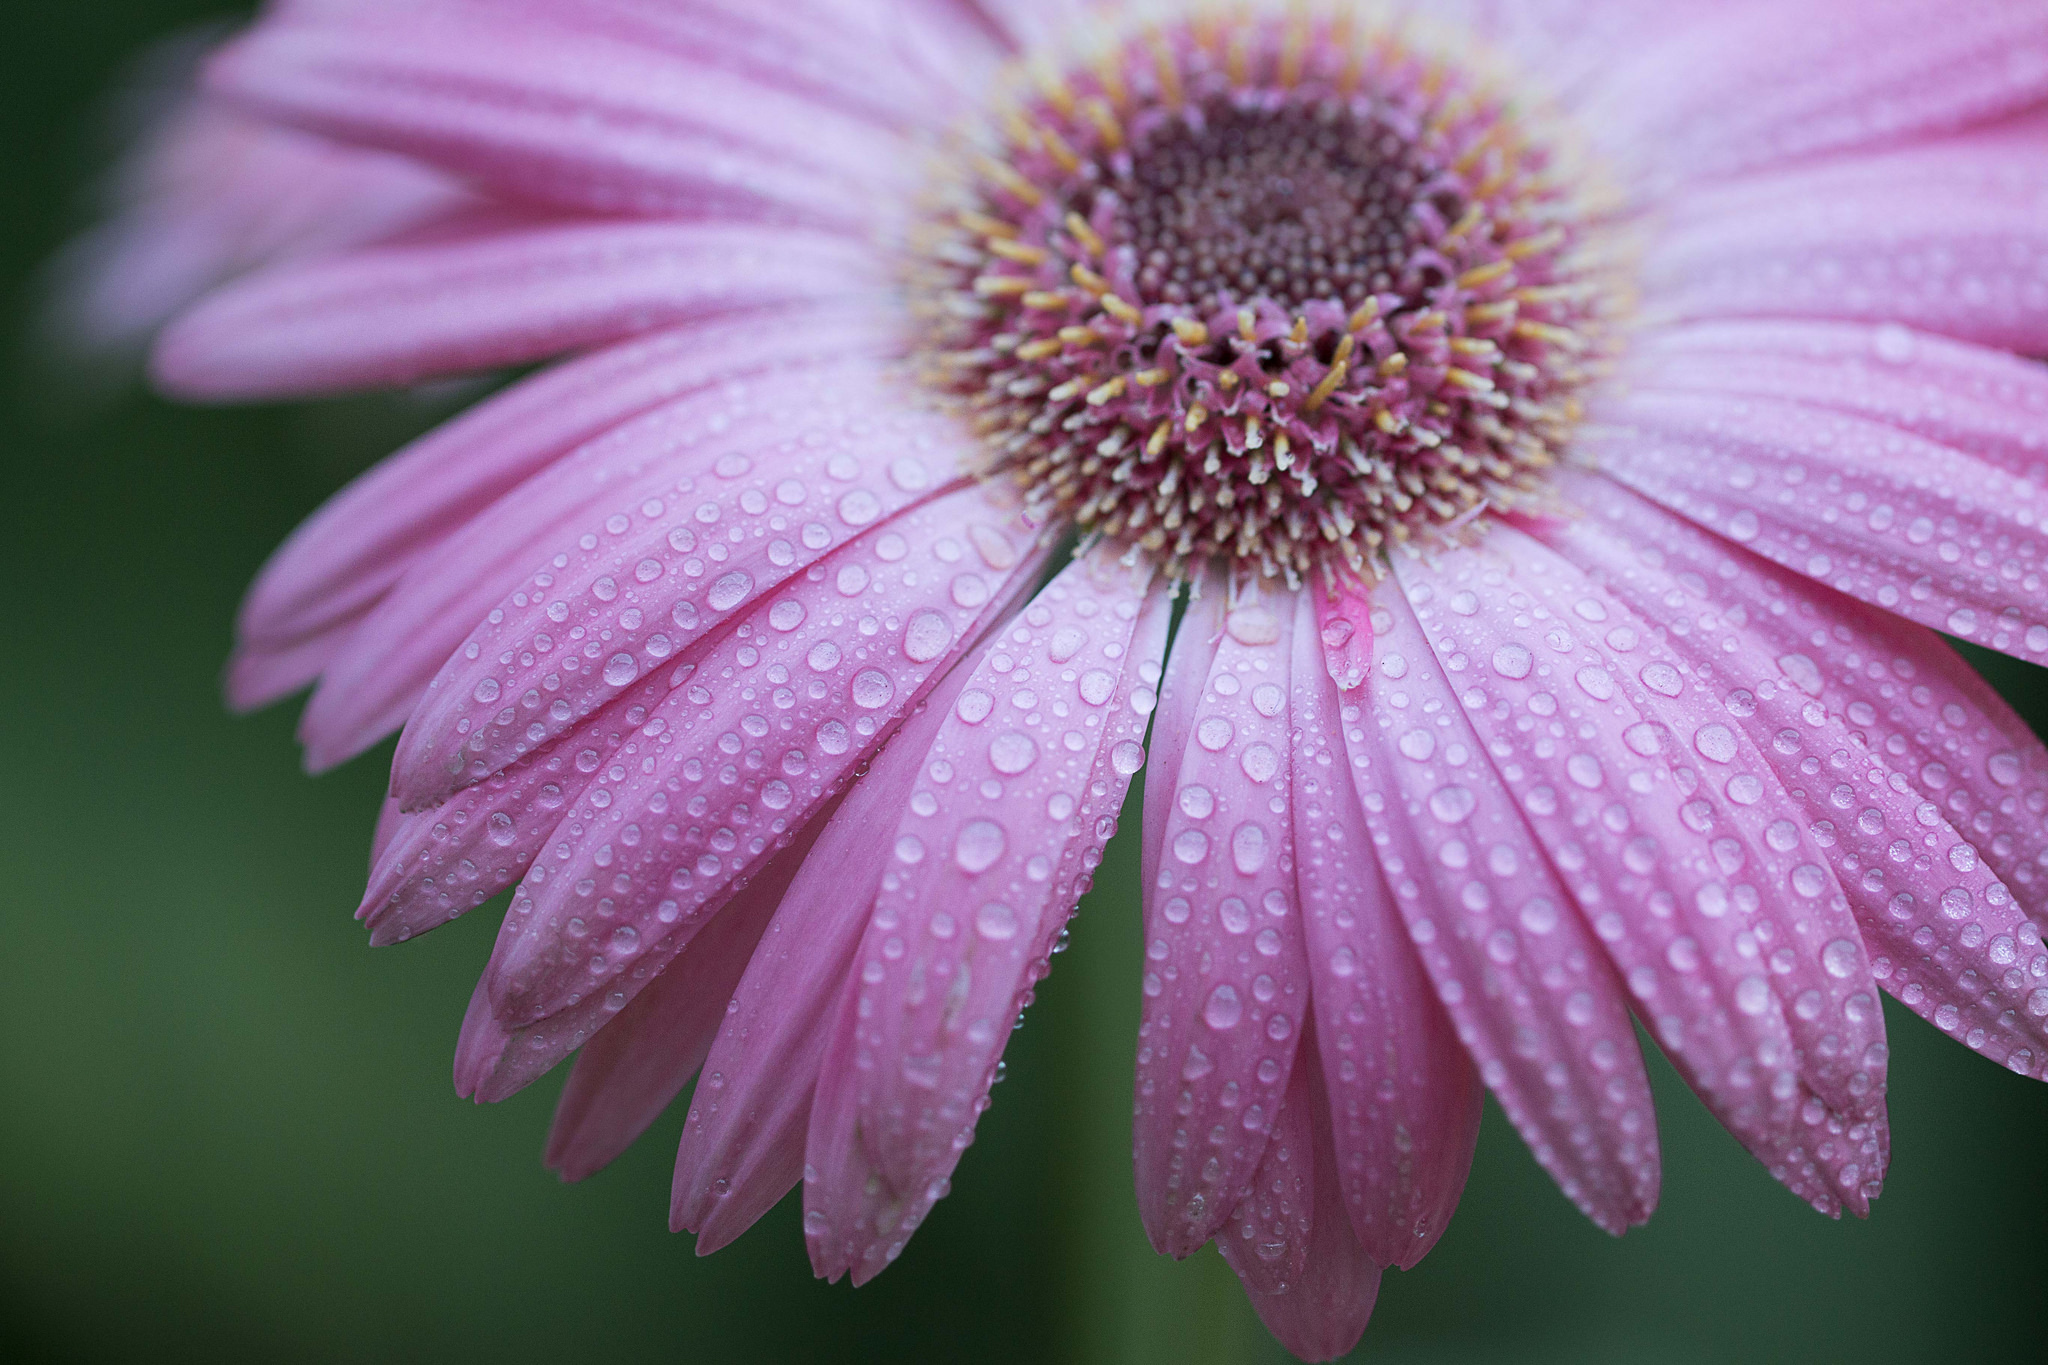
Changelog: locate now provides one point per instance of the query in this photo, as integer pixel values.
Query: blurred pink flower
(1578, 418)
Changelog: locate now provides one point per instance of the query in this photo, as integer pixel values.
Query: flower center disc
(1276, 291)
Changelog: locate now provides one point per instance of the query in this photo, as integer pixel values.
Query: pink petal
(565, 113)
(346, 557)
(728, 780)
(1935, 535)
(1949, 237)
(641, 482)
(1018, 794)
(1945, 934)
(1673, 832)
(451, 858)
(1527, 985)
(1404, 1101)
(743, 1144)
(504, 295)
(660, 572)
(636, 1065)
(1266, 1238)
(1772, 83)
(1226, 984)
(1195, 642)
(1989, 403)
(213, 194)
(1319, 1306)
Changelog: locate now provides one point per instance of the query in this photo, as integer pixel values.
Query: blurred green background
(228, 1128)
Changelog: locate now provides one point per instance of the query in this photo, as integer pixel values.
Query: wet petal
(1226, 985)
(1662, 816)
(506, 294)
(1919, 529)
(642, 583)
(1404, 1101)
(1018, 794)
(1514, 964)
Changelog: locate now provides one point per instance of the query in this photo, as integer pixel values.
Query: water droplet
(859, 507)
(1716, 743)
(1191, 846)
(1512, 661)
(621, 669)
(1012, 753)
(1752, 995)
(1260, 762)
(729, 591)
(978, 846)
(1249, 847)
(1452, 804)
(1663, 679)
(872, 689)
(926, 637)
(1223, 1010)
(1840, 958)
(996, 922)
(1214, 733)
(1127, 757)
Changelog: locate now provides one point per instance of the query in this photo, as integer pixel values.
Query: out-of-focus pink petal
(1019, 793)
(1988, 403)
(657, 573)
(1520, 973)
(743, 1144)
(739, 758)
(1944, 933)
(1951, 237)
(1404, 1102)
(506, 294)
(1226, 980)
(1919, 529)
(566, 113)
(213, 194)
(636, 1065)
(346, 557)
(1771, 83)
(656, 461)
(1719, 911)
(1320, 1310)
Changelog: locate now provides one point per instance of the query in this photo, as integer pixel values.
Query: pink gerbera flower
(1564, 423)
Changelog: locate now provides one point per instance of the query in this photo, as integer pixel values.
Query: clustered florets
(1283, 293)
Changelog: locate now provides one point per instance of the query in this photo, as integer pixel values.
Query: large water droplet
(926, 637)
(979, 844)
(1224, 1009)
(1012, 753)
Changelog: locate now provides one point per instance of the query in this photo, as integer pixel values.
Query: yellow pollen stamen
(1191, 333)
(1016, 251)
(981, 225)
(1485, 274)
(1121, 310)
(1001, 286)
(1090, 240)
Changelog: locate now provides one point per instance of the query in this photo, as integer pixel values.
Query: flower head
(1555, 426)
